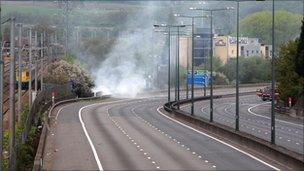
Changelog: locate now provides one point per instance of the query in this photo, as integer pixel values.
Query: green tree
(259, 25)
(290, 83)
(216, 64)
(299, 62)
(251, 70)
(62, 72)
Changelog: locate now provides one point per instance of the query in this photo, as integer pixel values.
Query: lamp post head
(230, 8)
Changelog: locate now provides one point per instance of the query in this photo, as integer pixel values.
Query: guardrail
(38, 162)
(291, 159)
(183, 88)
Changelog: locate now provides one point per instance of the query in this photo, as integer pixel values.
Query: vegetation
(299, 61)
(63, 72)
(289, 68)
(25, 152)
(259, 25)
(251, 70)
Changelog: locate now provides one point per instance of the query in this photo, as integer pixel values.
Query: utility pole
(211, 53)
(67, 28)
(19, 73)
(176, 68)
(1, 93)
(192, 67)
(211, 67)
(36, 65)
(41, 60)
(12, 99)
(169, 70)
(178, 86)
(169, 34)
(30, 70)
(187, 68)
(273, 78)
(237, 68)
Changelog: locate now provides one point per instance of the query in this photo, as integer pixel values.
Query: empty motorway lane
(133, 134)
(254, 119)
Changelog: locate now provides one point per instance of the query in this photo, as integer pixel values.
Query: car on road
(259, 92)
(266, 94)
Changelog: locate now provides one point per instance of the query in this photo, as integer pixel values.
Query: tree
(62, 72)
(216, 64)
(290, 82)
(299, 61)
(259, 25)
(251, 70)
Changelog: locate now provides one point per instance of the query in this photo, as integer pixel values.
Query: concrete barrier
(279, 154)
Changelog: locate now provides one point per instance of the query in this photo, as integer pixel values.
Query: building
(225, 47)
(266, 50)
(185, 51)
(201, 46)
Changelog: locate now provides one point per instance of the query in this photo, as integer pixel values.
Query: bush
(251, 70)
(62, 72)
(291, 84)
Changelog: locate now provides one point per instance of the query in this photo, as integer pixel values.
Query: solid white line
(220, 141)
(249, 110)
(86, 133)
(89, 139)
(202, 109)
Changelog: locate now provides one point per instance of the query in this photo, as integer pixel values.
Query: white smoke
(127, 69)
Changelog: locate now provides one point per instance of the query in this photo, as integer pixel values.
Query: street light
(169, 32)
(272, 80)
(12, 149)
(211, 50)
(192, 54)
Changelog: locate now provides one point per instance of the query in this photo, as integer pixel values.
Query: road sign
(200, 78)
(53, 97)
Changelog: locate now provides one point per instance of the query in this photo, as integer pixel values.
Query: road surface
(254, 119)
(133, 134)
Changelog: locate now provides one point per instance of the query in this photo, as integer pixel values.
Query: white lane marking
(202, 109)
(220, 141)
(249, 110)
(86, 133)
(89, 139)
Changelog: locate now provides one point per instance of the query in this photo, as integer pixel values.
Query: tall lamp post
(273, 79)
(1, 91)
(12, 150)
(169, 34)
(211, 51)
(192, 57)
(11, 114)
(19, 72)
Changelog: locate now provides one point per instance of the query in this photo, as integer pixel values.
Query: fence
(42, 102)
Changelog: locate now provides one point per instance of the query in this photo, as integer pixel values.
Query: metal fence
(42, 103)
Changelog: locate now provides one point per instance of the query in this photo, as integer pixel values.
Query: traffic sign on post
(53, 97)
(200, 78)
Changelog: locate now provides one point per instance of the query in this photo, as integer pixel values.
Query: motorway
(254, 119)
(134, 134)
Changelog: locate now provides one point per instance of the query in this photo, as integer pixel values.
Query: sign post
(200, 78)
(289, 102)
(53, 97)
